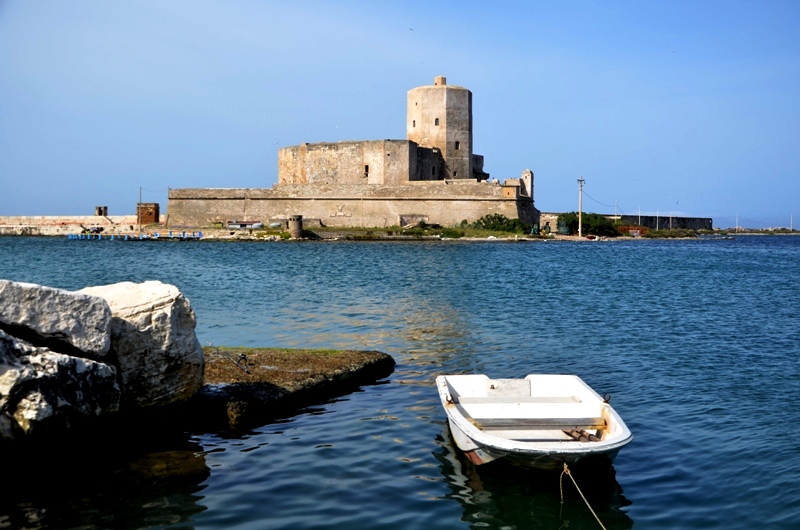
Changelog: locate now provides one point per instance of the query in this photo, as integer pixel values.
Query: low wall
(50, 225)
(649, 221)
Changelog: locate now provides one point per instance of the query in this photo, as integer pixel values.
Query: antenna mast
(580, 206)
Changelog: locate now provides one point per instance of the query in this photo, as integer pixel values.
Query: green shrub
(500, 223)
(592, 224)
(452, 233)
(680, 232)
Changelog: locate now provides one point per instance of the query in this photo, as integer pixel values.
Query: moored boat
(542, 421)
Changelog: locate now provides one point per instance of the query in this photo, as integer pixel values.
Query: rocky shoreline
(108, 356)
(247, 386)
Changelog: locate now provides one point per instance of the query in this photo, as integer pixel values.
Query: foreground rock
(60, 319)
(67, 358)
(43, 391)
(128, 353)
(247, 386)
(159, 358)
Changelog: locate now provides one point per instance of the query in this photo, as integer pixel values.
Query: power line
(606, 205)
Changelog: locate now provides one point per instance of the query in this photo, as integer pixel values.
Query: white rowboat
(542, 421)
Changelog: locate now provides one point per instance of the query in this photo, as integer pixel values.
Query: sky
(683, 108)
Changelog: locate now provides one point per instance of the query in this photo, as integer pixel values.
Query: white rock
(160, 360)
(41, 390)
(56, 316)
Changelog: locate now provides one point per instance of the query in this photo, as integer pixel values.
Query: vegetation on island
(493, 226)
(670, 234)
(496, 225)
(593, 223)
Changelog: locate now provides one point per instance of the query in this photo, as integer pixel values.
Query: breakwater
(62, 225)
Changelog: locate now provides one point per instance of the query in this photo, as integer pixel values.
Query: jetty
(141, 236)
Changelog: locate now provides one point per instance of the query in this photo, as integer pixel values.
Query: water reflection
(104, 483)
(502, 496)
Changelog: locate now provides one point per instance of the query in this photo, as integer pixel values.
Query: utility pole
(580, 206)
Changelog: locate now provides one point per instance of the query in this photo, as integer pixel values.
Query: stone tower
(440, 117)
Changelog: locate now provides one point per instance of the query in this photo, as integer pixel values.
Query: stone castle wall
(376, 162)
(443, 202)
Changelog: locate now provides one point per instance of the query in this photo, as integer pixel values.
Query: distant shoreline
(121, 226)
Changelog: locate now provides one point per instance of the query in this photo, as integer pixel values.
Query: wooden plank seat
(561, 424)
(502, 400)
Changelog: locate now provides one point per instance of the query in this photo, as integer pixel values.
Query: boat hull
(545, 461)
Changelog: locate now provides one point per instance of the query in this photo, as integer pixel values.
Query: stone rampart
(442, 202)
(376, 162)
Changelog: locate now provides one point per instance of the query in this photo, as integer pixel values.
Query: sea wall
(441, 202)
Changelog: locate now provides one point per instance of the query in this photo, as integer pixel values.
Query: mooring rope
(242, 358)
(561, 488)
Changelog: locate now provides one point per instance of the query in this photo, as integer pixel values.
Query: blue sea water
(697, 341)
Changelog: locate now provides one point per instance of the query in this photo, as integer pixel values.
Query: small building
(147, 213)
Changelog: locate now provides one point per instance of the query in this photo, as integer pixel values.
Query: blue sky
(683, 108)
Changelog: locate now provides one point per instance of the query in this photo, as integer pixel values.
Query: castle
(432, 176)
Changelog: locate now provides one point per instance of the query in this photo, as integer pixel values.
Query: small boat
(234, 224)
(543, 421)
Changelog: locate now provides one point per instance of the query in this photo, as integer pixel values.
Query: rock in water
(61, 320)
(159, 358)
(44, 391)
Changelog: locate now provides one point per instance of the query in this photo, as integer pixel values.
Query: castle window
(413, 123)
(455, 173)
(436, 121)
(366, 170)
(457, 144)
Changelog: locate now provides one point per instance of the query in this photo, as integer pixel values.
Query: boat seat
(502, 400)
(539, 423)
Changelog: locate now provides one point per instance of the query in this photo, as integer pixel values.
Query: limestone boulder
(43, 391)
(159, 358)
(60, 320)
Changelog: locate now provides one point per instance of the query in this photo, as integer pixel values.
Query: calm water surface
(697, 341)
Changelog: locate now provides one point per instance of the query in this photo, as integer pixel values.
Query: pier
(154, 236)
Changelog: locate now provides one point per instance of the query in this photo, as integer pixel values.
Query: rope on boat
(561, 488)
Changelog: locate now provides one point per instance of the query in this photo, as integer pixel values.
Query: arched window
(413, 123)
(457, 144)
(436, 121)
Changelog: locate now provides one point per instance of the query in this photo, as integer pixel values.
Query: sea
(697, 341)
